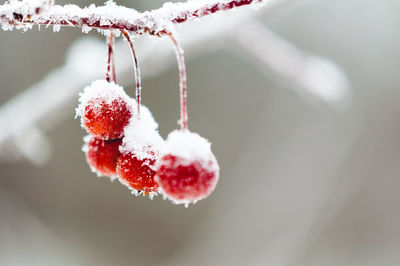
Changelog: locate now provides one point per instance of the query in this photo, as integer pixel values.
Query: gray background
(301, 184)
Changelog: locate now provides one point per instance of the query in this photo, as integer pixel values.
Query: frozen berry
(137, 174)
(106, 120)
(105, 109)
(188, 170)
(102, 155)
(141, 147)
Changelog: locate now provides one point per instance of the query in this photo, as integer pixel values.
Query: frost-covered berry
(141, 148)
(187, 171)
(102, 155)
(105, 109)
(137, 174)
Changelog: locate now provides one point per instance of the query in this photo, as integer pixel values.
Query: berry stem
(114, 75)
(182, 81)
(137, 72)
(110, 60)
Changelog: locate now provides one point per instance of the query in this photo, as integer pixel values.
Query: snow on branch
(25, 14)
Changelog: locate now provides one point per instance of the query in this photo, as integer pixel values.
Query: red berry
(106, 120)
(137, 174)
(140, 150)
(188, 171)
(105, 109)
(102, 155)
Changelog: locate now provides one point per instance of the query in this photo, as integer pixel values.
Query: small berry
(105, 120)
(105, 109)
(188, 170)
(102, 155)
(137, 174)
(141, 147)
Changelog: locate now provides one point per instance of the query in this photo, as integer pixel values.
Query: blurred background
(304, 181)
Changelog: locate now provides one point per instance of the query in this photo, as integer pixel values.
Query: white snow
(109, 14)
(56, 28)
(146, 115)
(86, 28)
(104, 90)
(141, 137)
(190, 146)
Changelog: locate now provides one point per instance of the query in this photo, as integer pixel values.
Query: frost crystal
(86, 28)
(56, 28)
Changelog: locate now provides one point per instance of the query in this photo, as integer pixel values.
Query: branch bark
(24, 14)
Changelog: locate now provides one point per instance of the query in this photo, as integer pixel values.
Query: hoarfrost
(38, 12)
(86, 28)
(56, 28)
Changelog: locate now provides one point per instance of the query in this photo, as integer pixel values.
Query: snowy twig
(25, 14)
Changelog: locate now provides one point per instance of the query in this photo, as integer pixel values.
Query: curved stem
(137, 72)
(114, 75)
(110, 59)
(182, 81)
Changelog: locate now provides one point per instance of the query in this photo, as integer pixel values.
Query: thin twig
(114, 75)
(182, 81)
(110, 58)
(137, 72)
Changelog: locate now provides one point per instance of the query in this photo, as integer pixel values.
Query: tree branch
(25, 14)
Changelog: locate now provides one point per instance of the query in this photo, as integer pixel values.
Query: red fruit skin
(106, 120)
(137, 174)
(102, 155)
(186, 182)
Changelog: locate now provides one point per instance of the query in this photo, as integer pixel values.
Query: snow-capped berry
(105, 109)
(187, 171)
(137, 174)
(102, 155)
(141, 147)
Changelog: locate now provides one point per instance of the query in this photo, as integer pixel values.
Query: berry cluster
(124, 144)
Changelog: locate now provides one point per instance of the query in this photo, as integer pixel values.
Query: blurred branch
(311, 75)
(24, 14)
